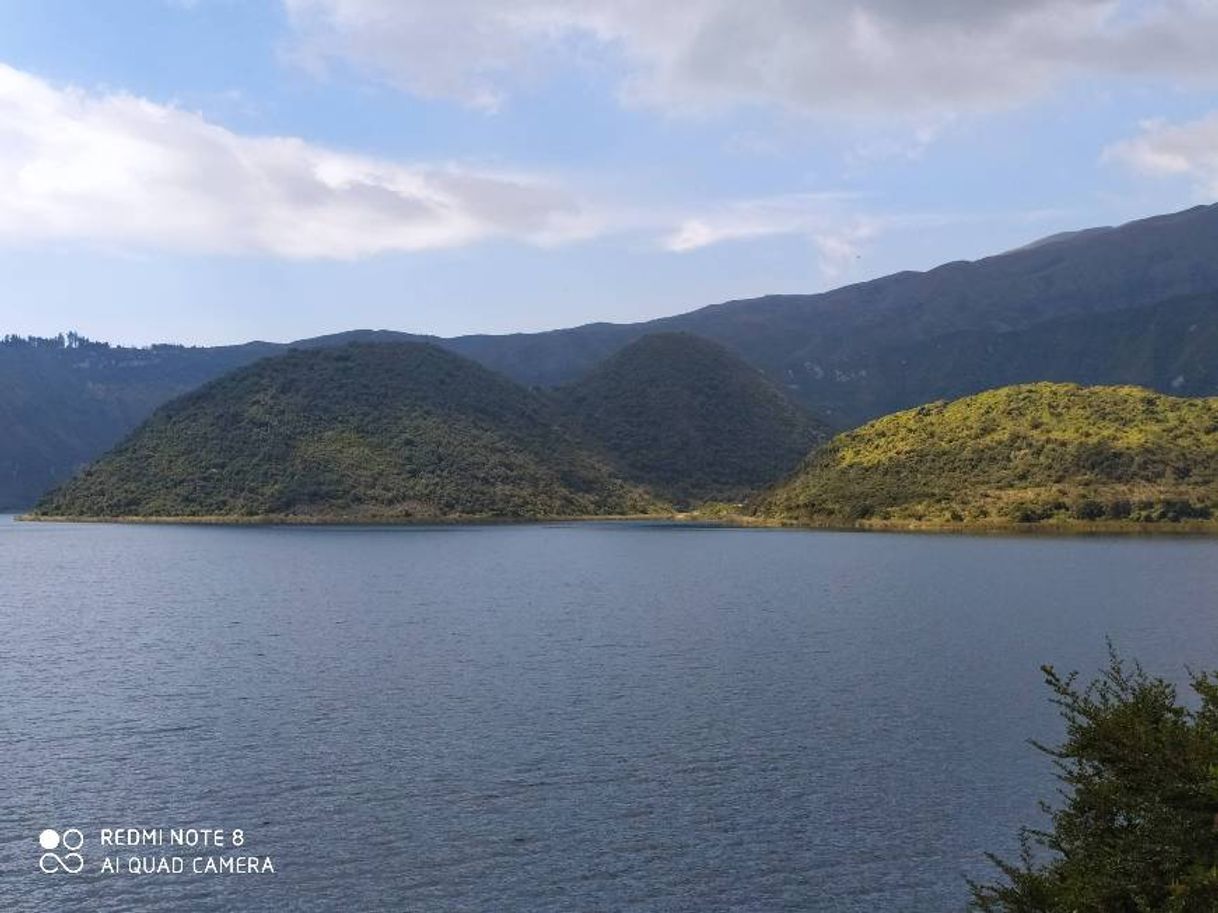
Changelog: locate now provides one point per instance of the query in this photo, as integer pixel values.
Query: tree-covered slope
(1170, 346)
(1017, 454)
(376, 431)
(690, 420)
(1136, 304)
(63, 402)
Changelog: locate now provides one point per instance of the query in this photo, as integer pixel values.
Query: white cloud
(130, 174)
(853, 56)
(800, 213)
(909, 145)
(117, 169)
(824, 219)
(839, 250)
(1189, 149)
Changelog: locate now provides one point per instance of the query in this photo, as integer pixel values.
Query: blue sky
(215, 171)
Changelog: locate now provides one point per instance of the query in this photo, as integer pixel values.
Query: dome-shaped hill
(689, 419)
(364, 431)
(1016, 454)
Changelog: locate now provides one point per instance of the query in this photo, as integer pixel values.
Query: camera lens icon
(70, 840)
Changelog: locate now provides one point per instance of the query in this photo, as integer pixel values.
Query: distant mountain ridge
(1074, 307)
(822, 347)
(1064, 236)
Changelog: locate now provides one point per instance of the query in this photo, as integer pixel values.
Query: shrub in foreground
(1137, 830)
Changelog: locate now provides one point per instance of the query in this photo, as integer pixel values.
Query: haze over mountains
(1136, 304)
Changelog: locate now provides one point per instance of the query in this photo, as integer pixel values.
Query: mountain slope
(361, 431)
(1016, 454)
(690, 420)
(822, 347)
(62, 407)
(1170, 346)
(63, 403)
(847, 355)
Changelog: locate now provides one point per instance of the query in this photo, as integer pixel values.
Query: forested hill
(1137, 304)
(689, 419)
(1030, 453)
(64, 402)
(356, 432)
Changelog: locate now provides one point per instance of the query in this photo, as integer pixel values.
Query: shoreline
(335, 520)
(1198, 528)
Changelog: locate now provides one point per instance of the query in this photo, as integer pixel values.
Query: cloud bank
(1189, 149)
(117, 169)
(852, 56)
(122, 171)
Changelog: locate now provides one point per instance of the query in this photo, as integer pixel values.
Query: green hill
(1033, 453)
(1135, 304)
(64, 402)
(688, 419)
(381, 431)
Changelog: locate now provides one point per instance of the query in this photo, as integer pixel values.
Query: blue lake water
(580, 717)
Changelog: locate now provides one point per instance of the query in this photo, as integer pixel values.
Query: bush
(1087, 509)
(1024, 512)
(1138, 832)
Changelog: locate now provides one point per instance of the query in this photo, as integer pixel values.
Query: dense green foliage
(1131, 305)
(362, 431)
(63, 405)
(690, 420)
(1039, 452)
(1138, 830)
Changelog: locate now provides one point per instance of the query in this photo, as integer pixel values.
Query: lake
(569, 717)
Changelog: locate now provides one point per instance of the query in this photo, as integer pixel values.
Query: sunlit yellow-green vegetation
(360, 432)
(1023, 454)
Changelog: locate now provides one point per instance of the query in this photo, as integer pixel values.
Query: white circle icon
(71, 840)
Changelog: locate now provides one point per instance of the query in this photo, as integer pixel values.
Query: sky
(214, 171)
